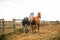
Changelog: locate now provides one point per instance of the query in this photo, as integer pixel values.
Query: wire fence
(9, 26)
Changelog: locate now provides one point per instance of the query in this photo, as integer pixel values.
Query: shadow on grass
(2, 37)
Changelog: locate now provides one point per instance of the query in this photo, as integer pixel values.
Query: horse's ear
(39, 14)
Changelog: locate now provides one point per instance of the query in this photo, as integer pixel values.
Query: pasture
(48, 31)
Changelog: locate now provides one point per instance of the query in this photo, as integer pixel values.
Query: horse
(25, 24)
(35, 22)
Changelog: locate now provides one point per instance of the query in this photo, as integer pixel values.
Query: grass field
(48, 31)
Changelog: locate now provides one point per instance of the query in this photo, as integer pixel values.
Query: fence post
(2, 25)
(13, 25)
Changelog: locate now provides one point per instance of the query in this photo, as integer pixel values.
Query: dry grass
(51, 32)
(47, 32)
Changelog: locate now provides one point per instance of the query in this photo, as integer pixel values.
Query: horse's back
(25, 21)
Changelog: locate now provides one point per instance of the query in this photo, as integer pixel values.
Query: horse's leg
(27, 29)
(32, 28)
(24, 29)
(35, 28)
(38, 28)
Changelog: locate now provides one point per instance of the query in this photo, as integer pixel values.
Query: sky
(18, 9)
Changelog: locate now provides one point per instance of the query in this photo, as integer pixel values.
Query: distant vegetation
(45, 23)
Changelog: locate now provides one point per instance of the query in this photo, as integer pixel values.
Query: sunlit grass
(18, 30)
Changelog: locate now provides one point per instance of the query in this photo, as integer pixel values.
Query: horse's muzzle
(40, 17)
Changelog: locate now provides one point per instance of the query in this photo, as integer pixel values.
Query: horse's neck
(34, 18)
(37, 16)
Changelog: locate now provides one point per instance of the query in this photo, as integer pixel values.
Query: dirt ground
(50, 32)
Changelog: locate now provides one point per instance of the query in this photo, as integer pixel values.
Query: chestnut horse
(35, 22)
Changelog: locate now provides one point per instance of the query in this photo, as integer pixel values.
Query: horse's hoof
(26, 32)
(35, 31)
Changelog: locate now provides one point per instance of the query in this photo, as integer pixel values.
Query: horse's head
(26, 18)
(39, 14)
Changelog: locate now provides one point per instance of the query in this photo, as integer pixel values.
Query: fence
(2, 25)
(9, 26)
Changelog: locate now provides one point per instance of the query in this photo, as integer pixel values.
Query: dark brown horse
(25, 24)
(35, 22)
